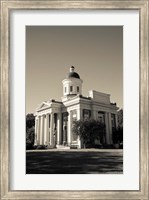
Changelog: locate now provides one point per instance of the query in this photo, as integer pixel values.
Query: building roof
(72, 73)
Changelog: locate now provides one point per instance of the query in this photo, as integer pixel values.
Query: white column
(69, 129)
(107, 128)
(35, 141)
(79, 142)
(110, 129)
(47, 129)
(59, 128)
(51, 129)
(79, 113)
(94, 115)
(41, 130)
(38, 131)
(40, 119)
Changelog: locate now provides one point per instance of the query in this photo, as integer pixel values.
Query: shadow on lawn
(73, 162)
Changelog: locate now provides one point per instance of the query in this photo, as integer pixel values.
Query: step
(62, 147)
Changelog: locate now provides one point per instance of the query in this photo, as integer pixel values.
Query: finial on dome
(72, 73)
(72, 69)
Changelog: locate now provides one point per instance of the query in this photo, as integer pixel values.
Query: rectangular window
(71, 88)
(86, 114)
(101, 117)
(77, 88)
(49, 120)
(65, 90)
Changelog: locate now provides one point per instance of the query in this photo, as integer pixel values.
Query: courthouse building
(54, 119)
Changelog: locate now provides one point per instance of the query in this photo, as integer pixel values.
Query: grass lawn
(74, 161)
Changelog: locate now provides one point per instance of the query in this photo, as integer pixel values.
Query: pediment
(43, 105)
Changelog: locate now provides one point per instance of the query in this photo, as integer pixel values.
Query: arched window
(77, 88)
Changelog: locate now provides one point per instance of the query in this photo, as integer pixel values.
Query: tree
(30, 120)
(117, 135)
(30, 136)
(89, 131)
(120, 117)
(30, 130)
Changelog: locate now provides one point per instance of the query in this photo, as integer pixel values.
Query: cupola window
(77, 88)
(71, 88)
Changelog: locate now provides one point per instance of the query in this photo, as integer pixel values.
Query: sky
(96, 52)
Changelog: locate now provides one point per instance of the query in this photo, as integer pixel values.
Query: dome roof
(72, 73)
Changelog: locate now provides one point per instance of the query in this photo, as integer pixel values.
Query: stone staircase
(72, 146)
(58, 146)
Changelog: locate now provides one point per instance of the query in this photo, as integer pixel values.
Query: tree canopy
(30, 130)
(117, 135)
(120, 118)
(30, 120)
(89, 131)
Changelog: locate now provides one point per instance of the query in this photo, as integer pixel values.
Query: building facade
(54, 119)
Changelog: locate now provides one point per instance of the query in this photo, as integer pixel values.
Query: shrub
(117, 135)
(30, 135)
(41, 147)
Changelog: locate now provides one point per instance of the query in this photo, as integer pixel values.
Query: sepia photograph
(74, 93)
(74, 99)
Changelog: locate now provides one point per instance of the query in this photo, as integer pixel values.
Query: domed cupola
(72, 85)
(72, 73)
